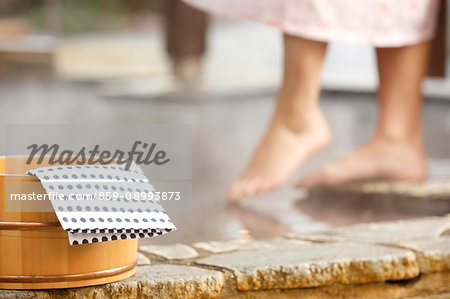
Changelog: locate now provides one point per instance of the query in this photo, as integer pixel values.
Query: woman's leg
(297, 129)
(395, 152)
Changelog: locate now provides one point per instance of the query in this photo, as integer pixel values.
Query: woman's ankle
(311, 124)
(411, 138)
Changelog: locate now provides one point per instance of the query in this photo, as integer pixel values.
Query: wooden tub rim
(15, 225)
(68, 277)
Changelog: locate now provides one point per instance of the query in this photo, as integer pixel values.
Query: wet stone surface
(246, 245)
(142, 259)
(170, 252)
(316, 265)
(392, 232)
(380, 260)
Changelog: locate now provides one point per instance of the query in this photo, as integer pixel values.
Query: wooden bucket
(35, 251)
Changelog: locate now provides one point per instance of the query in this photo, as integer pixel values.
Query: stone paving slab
(400, 259)
(433, 254)
(159, 281)
(171, 252)
(316, 265)
(171, 281)
(435, 188)
(245, 245)
(391, 232)
(381, 201)
(142, 259)
(429, 286)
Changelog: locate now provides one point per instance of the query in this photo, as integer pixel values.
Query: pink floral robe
(382, 23)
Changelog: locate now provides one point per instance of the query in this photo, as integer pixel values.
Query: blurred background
(160, 61)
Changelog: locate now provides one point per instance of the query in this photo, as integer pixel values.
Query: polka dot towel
(99, 203)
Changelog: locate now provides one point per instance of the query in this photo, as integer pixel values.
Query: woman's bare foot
(396, 151)
(283, 149)
(297, 130)
(379, 159)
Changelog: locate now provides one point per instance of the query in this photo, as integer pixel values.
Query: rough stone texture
(6, 294)
(293, 268)
(316, 265)
(170, 281)
(171, 252)
(142, 259)
(433, 284)
(245, 245)
(391, 232)
(432, 254)
(159, 281)
(430, 286)
(440, 296)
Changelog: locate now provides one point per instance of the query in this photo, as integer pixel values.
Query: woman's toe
(251, 188)
(234, 193)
